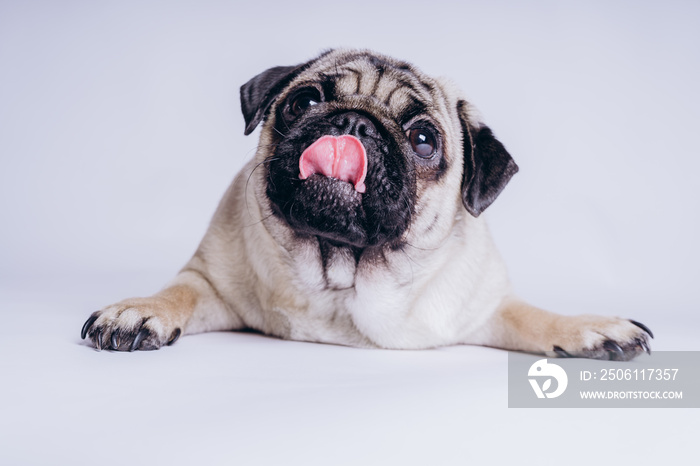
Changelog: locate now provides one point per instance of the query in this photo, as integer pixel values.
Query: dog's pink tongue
(342, 158)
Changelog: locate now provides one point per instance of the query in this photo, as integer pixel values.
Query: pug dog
(358, 223)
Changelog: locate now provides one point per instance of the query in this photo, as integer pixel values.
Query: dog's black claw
(560, 352)
(115, 340)
(98, 339)
(139, 337)
(644, 345)
(88, 323)
(643, 327)
(615, 350)
(175, 336)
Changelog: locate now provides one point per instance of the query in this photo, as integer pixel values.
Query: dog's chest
(359, 301)
(334, 283)
(338, 267)
(395, 299)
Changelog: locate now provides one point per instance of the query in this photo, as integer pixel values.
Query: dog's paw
(597, 337)
(130, 325)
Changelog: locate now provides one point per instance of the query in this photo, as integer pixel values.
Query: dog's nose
(354, 124)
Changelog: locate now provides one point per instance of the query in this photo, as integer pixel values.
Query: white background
(120, 129)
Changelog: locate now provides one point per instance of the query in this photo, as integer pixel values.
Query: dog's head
(361, 149)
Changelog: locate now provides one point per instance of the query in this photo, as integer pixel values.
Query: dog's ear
(258, 94)
(487, 165)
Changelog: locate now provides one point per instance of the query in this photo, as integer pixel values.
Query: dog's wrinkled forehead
(371, 79)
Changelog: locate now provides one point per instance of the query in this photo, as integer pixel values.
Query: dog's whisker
(280, 132)
(249, 225)
(247, 181)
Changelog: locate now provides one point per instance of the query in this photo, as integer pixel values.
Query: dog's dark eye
(423, 142)
(302, 101)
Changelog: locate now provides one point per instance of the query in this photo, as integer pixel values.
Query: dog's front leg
(519, 326)
(189, 304)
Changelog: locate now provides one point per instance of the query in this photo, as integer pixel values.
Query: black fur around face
(332, 209)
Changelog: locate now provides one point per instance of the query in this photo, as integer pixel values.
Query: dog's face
(363, 149)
